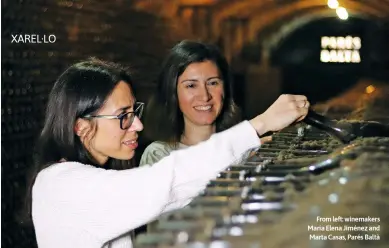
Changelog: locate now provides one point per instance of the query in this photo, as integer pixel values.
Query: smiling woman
(193, 100)
(200, 93)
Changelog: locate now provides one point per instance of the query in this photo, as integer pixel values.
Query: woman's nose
(204, 94)
(136, 125)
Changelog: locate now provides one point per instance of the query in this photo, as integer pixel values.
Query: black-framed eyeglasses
(126, 119)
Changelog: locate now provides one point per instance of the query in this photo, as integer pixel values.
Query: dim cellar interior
(304, 187)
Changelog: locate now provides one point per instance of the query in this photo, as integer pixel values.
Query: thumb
(266, 139)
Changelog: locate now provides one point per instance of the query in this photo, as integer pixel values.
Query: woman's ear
(82, 127)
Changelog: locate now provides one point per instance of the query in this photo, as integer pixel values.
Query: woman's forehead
(122, 96)
(202, 67)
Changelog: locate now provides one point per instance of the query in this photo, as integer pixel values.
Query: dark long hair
(82, 89)
(163, 118)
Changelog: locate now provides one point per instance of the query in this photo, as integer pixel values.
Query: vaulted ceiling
(266, 17)
(262, 13)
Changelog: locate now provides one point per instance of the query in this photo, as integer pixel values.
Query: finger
(293, 105)
(266, 139)
(302, 114)
(301, 104)
(286, 97)
(300, 98)
(307, 105)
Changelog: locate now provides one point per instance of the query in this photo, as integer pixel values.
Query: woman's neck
(194, 134)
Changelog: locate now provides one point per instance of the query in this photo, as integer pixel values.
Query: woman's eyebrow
(195, 79)
(123, 109)
(214, 77)
(189, 80)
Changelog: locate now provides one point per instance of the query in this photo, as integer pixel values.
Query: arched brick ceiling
(226, 8)
(223, 9)
(302, 7)
(272, 34)
(266, 16)
(262, 13)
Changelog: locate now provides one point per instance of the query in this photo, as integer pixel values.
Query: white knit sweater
(78, 205)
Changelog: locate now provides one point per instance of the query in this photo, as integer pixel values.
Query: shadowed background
(272, 46)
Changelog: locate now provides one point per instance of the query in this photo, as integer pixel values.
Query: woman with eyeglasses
(84, 192)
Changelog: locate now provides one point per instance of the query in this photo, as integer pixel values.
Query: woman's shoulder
(64, 169)
(59, 174)
(155, 152)
(62, 165)
(160, 145)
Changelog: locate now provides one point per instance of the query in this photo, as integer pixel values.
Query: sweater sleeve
(109, 203)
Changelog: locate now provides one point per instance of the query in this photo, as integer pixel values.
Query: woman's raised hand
(286, 110)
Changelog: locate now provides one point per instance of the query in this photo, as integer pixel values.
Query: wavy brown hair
(163, 118)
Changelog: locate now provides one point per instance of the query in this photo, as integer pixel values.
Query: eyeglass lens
(127, 120)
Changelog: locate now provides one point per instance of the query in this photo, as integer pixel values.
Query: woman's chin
(206, 122)
(127, 155)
